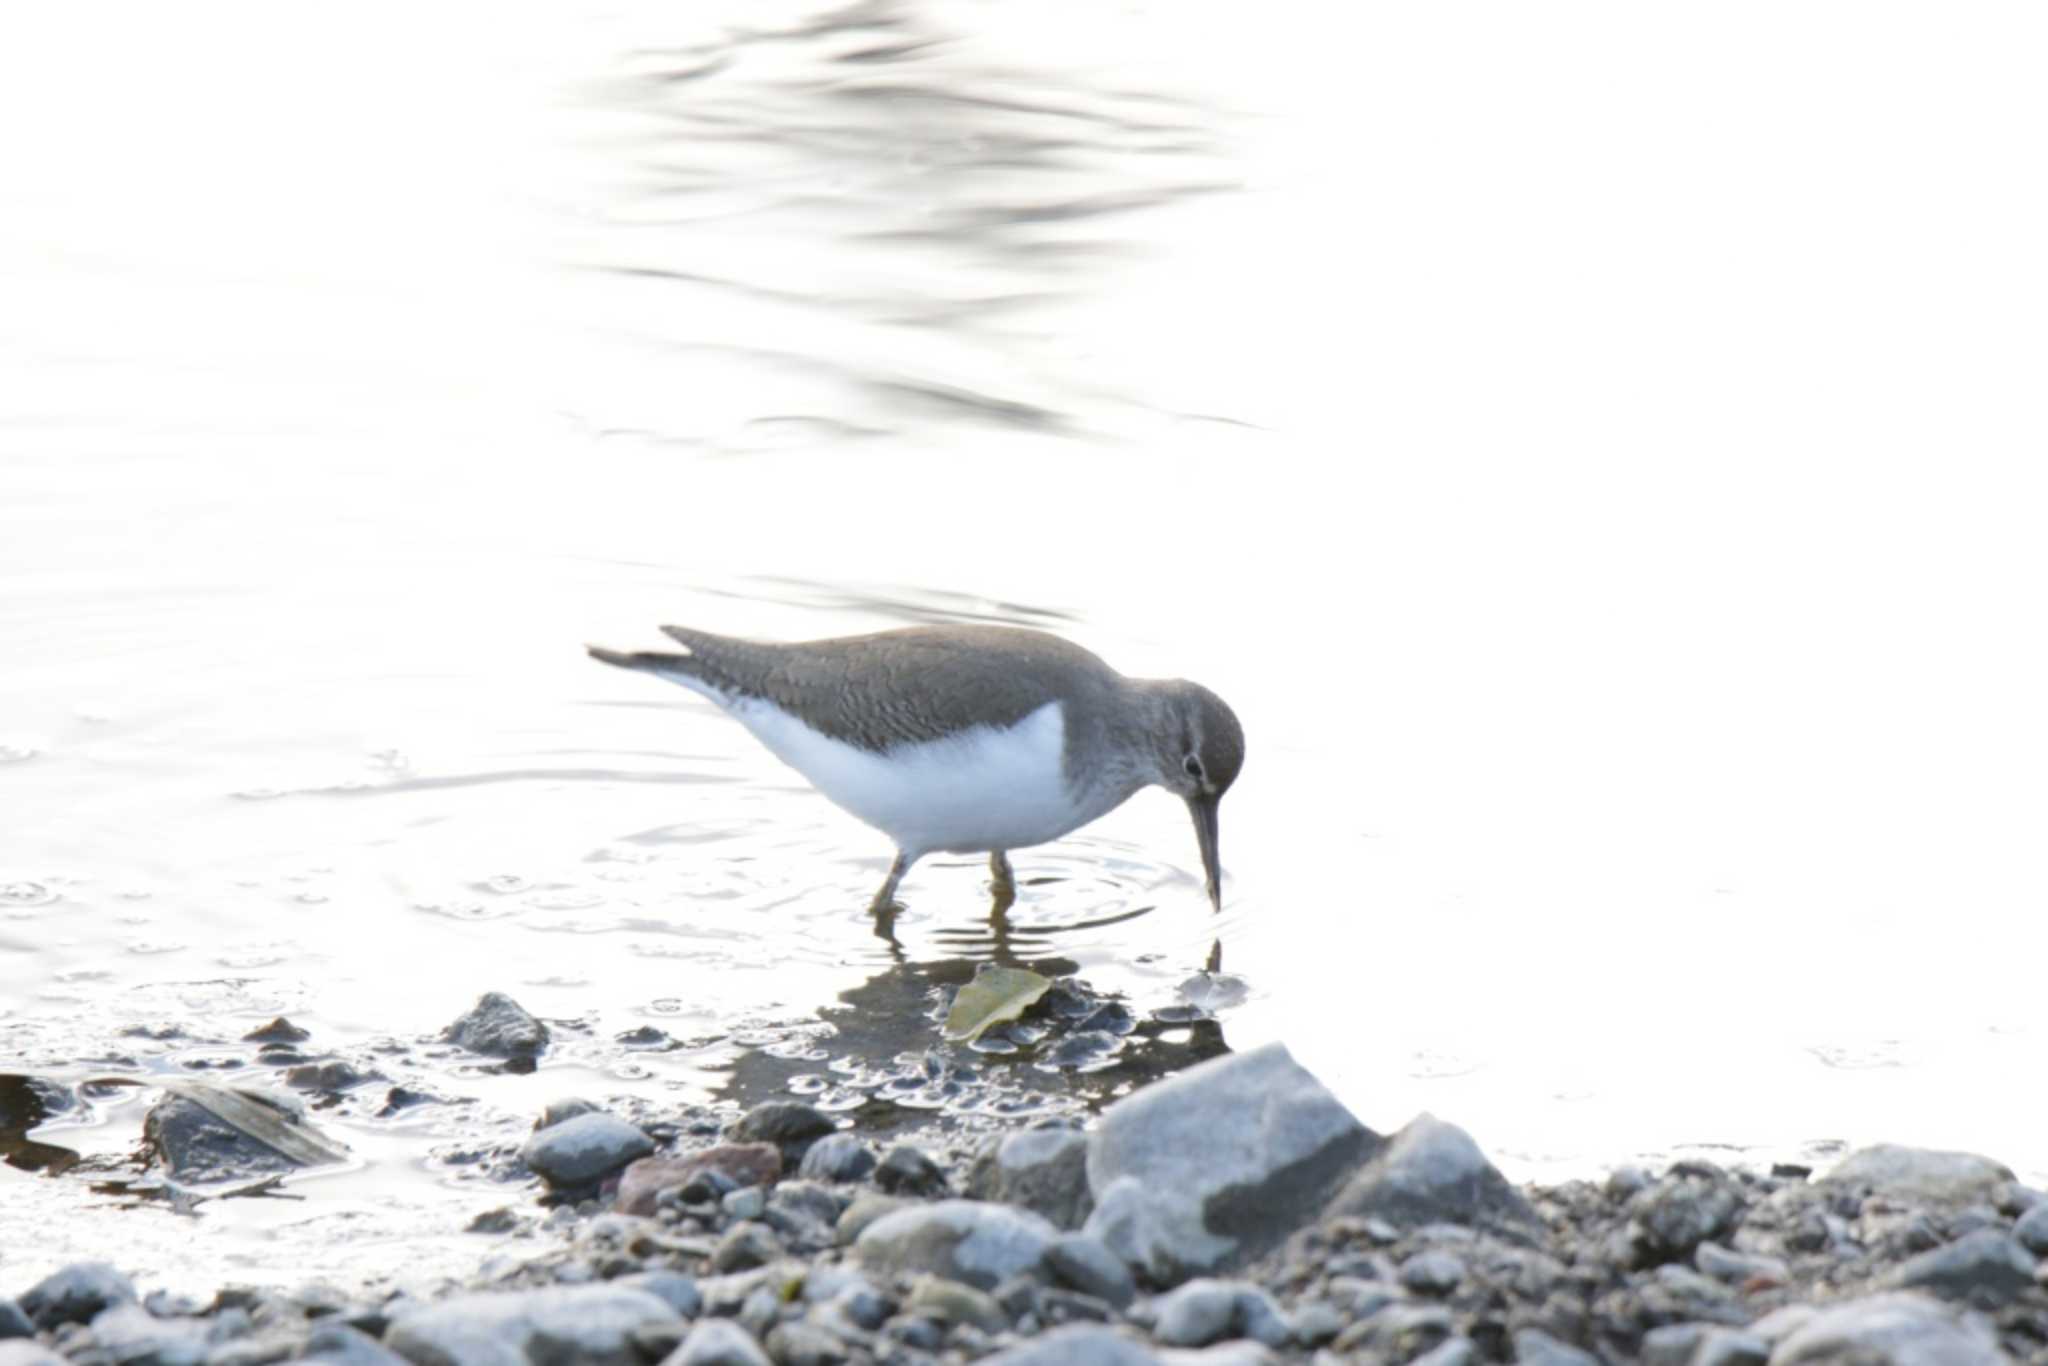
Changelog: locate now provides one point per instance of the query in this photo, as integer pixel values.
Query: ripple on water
(14, 752)
(505, 884)
(26, 894)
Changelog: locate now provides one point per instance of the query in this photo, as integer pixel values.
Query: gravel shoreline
(1233, 1213)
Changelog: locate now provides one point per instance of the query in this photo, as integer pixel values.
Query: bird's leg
(1005, 884)
(885, 900)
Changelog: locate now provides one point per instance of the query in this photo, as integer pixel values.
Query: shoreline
(1232, 1212)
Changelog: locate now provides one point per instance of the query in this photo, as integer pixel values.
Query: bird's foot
(1003, 886)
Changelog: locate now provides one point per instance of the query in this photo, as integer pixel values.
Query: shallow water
(1629, 771)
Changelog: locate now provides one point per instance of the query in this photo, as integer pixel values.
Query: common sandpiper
(965, 738)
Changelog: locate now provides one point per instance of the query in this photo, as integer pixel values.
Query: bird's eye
(1192, 766)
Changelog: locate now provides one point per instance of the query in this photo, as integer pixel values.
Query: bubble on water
(311, 898)
(153, 948)
(566, 899)
(257, 957)
(393, 761)
(504, 884)
(16, 751)
(135, 893)
(462, 910)
(26, 894)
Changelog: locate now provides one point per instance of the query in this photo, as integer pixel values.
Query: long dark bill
(1203, 809)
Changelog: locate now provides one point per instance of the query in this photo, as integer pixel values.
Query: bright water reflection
(1620, 777)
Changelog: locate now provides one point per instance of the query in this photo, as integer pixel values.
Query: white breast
(985, 788)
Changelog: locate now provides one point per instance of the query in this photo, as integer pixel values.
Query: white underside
(983, 789)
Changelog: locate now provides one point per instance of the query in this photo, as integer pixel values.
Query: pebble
(1987, 1268)
(1433, 1273)
(906, 1170)
(1457, 1351)
(584, 1149)
(837, 1157)
(2032, 1229)
(1534, 1347)
(1433, 1172)
(1920, 1175)
(498, 1026)
(1739, 1268)
(1043, 1170)
(964, 1240)
(748, 1202)
(1089, 1266)
(1076, 1345)
(1903, 1329)
(1219, 1162)
(589, 1324)
(76, 1294)
(718, 1342)
(745, 1246)
(790, 1126)
(951, 1302)
(725, 1167)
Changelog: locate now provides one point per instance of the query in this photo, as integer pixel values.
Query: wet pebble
(837, 1157)
(499, 1027)
(584, 1149)
(1986, 1268)
(1432, 1273)
(790, 1126)
(76, 1294)
(906, 1170)
(718, 1342)
(1089, 1266)
(1043, 1170)
(962, 1240)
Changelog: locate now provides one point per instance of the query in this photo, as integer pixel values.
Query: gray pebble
(22, 1352)
(1534, 1347)
(337, 1344)
(837, 1157)
(744, 1247)
(1730, 1347)
(718, 1342)
(76, 1293)
(499, 1027)
(1987, 1268)
(2032, 1230)
(585, 1149)
(906, 1170)
(1433, 1273)
(1087, 1264)
(1198, 1313)
(947, 1301)
(1316, 1322)
(797, 1343)
(1458, 1351)
(673, 1288)
(748, 1202)
(13, 1322)
(1738, 1268)
(1075, 1345)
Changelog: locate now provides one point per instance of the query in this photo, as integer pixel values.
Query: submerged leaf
(995, 996)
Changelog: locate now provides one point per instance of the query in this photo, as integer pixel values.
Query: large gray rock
(1432, 1172)
(1889, 1330)
(1044, 1170)
(337, 1344)
(76, 1294)
(129, 1333)
(1219, 1163)
(499, 1027)
(197, 1146)
(1921, 1175)
(718, 1342)
(591, 1324)
(1987, 1268)
(1078, 1344)
(962, 1240)
(584, 1149)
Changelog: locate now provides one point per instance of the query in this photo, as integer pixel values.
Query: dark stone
(325, 1076)
(76, 1294)
(1671, 1219)
(199, 1147)
(499, 1027)
(905, 1170)
(1088, 1265)
(2032, 1230)
(13, 1322)
(791, 1127)
(1433, 1273)
(279, 1030)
